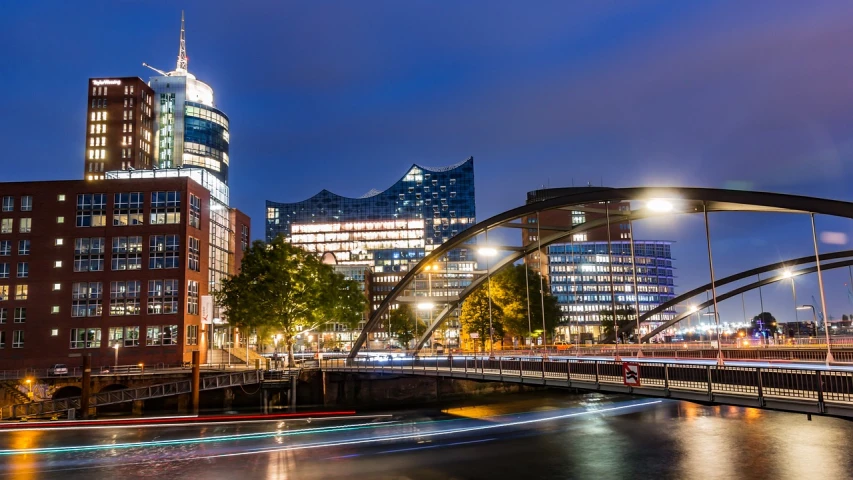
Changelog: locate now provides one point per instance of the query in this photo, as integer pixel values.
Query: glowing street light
(659, 205)
(425, 306)
(487, 251)
(115, 346)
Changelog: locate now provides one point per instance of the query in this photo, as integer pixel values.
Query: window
(23, 269)
(85, 338)
(60, 219)
(192, 334)
(195, 211)
(18, 339)
(4, 293)
(131, 336)
(6, 225)
(21, 292)
(25, 225)
(88, 254)
(20, 314)
(194, 255)
(162, 296)
(8, 204)
(54, 332)
(192, 297)
(127, 209)
(23, 247)
(2, 339)
(170, 335)
(163, 251)
(116, 336)
(152, 338)
(57, 264)
(26, 203)
(124, 298)
(165, 208)
(4, 270)
(60, 197)
(3, 315)
(127, 253)
(54, 309)
(5, 247)
(244, 237)
(86, 299)
(57, 287)
(92, 210)
(59, 242)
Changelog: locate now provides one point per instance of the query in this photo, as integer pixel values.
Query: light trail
(186, 424)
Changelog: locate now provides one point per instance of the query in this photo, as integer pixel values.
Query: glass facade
(388, 232)
(580, 279)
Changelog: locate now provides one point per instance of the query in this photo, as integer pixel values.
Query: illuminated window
(6, 225)
(59, 242)
(54, 309)
(86, 299)
(57, 287)
(57, 264)
(60, 219)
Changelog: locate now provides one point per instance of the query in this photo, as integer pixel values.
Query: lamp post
(822, 295)
(713, 286)
(115, 346)
(788, 274)
(489, 252)
(829, 358)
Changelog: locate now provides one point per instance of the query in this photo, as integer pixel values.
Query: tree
(401, 322)
(763, 324)
(623, 314)
(509, 291)
(475, 316)
(289, 290)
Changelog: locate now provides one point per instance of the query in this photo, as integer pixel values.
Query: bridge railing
(801, 389)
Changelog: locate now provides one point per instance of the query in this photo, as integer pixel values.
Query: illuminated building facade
(188, 128)
(389, 231)
(579, 275)
(119, 126)
(578, 272)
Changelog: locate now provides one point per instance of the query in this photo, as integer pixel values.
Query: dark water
(534, 436)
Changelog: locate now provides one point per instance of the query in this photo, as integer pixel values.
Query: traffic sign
(631, 374)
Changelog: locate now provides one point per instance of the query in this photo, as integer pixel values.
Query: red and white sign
(207, 309)
(631, 374)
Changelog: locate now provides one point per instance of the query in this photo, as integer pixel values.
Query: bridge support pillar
(137, 407)
(196, 380)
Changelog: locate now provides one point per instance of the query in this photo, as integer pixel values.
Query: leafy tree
(402, 324)
(475, 315)
(509, 291)
(289, 290)
(763, 324)
(623, 314)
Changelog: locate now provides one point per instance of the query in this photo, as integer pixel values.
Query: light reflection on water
(666, 440)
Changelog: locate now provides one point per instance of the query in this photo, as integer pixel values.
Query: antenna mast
(182, 52)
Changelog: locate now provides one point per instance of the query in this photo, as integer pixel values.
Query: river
(553, 435)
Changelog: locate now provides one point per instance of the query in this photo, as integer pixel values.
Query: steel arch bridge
(685, 200)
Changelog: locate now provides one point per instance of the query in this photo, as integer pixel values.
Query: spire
(182, 53)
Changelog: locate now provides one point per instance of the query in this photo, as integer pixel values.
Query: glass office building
(389, 231)
(189, 130)
(386, 230)
(580, 279)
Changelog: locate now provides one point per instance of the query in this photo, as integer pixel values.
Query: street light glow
(487, 251)
(659, 205)
(425, 306)
(787, 273)
(804, 307)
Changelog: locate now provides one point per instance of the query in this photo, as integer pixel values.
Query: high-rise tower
(119, 126)
(188, 128)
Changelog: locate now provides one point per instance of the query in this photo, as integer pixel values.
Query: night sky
(347, 95)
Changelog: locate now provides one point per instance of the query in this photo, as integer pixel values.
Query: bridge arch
(629, 325)
(67, 391)
(684, 199)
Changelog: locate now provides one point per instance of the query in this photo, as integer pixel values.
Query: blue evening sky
(346, 95)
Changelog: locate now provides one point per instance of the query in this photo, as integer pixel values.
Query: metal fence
(795, 389)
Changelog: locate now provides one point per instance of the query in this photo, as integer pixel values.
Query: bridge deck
(818, 391)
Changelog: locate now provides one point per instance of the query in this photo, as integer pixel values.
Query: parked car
(58, 369)
(561, 345)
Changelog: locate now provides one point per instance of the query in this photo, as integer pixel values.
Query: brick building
(86, 267)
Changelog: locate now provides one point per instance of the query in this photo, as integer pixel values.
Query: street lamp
(489, 252)
(659, 205)
(829, 357)
(115, 346)
(29, 388)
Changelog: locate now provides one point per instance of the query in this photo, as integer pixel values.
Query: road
(546, 435)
